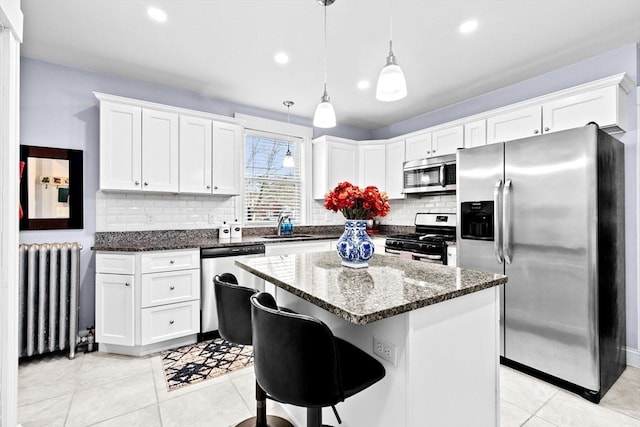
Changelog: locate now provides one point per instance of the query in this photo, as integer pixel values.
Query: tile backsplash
(139, 212)
(403, 212)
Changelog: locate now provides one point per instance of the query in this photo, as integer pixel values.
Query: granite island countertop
(388, 287)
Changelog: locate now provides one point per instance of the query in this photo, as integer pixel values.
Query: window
(270, 188)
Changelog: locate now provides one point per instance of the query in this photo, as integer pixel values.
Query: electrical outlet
(385, 350)
(212, 218)
(149, 219)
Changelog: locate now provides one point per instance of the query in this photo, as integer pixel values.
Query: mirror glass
(50, 188)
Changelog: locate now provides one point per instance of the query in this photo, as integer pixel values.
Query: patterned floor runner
(194, 363)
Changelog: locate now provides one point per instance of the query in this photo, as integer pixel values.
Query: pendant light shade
(288, 161)
(325, 115)
(392, 85)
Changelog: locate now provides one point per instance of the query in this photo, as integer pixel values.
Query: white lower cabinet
(154, 306)
(114, 309)
(165, 322)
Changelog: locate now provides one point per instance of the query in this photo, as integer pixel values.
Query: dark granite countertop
(159, 240)
(388, 287)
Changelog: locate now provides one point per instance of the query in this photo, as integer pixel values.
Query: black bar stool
(234, 325)
(298, 360)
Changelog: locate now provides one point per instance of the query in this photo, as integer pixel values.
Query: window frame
(283, 130)
(300, 179)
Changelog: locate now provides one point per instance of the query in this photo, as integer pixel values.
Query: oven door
(430, 258)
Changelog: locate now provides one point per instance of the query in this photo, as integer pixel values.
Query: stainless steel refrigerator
(548, 211)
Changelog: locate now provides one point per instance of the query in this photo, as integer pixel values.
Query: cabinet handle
(172, 287)
(208, 187)
(428, 152)
(546, 129)
(137, 183)
(146, 183)
(171, 261)
(536, 131)
(215, 187)
(171, 322)
(126, 284)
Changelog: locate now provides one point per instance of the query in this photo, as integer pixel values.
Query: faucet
(283, 215)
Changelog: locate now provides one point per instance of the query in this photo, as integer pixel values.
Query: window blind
(270, 188)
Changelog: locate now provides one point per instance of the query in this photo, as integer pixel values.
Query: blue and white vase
(354, 246)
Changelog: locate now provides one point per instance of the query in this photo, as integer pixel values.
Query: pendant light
(325, 116)
(392, 85)
(288, 161)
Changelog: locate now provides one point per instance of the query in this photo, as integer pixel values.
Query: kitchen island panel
(446, 371)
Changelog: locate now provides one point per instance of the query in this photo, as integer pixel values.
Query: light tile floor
(99, 389)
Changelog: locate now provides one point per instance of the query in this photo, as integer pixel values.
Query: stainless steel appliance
(434, 174)
(548, 211)
(220, 260)
(429, 242)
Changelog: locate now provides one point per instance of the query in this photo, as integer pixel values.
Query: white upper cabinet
(602, 101)
(418, 146)
(227, 158)
(600, 106)
(120, 147)
(514, 124)
(394, 169)
(159, 148)
(475, 133)
(334, 160)
(195, 155)
(447, 141)
(436, 143)
(372, 165)
(160, 151)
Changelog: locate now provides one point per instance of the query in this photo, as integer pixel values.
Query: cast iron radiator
(49, 287)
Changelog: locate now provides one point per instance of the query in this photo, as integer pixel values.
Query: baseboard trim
(633, 357)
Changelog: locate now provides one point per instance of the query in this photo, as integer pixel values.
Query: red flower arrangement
(356, 203)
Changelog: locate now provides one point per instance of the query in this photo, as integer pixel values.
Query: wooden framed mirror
(51, 191)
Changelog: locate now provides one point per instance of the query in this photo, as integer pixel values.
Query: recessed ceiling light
(281, 58)
(157, 14)
(363, 84)
(468, 26)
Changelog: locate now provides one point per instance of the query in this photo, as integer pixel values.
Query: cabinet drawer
(169, 321)
(155, 262)
(170, 287)
(115, 263)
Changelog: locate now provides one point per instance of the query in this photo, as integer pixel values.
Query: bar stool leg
(262, 419)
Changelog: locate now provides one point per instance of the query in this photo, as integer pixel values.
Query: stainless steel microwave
(433, 174)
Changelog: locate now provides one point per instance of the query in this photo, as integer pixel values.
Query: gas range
(429, 242)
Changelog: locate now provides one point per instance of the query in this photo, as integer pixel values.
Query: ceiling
(224, 49)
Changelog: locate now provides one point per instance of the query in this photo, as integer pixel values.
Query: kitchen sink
(286, 236)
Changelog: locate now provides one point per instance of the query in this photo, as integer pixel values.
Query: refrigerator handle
(441, 175)
(497, 226)
(506, 221)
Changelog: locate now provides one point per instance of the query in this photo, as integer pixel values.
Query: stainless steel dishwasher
(222, 260)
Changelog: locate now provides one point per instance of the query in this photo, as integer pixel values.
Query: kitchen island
(438, 326)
